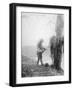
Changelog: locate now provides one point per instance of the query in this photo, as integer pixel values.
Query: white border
(65, 77)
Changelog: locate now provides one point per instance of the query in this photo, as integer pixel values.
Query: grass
(38, 70)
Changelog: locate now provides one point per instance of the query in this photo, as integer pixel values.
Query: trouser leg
(57, 64)
(38, 61)
(52, 60)
(41, 61)
(55, 61)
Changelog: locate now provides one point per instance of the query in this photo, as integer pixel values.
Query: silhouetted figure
(56, 48)
(52, 47)
(40, 50)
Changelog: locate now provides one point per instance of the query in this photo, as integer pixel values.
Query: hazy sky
(36, 26)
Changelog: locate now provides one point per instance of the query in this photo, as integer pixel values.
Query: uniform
(56, 52)
(40, 51)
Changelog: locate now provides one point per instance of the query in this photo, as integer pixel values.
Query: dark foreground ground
(38, 70)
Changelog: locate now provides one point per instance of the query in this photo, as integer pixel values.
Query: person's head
(41, 41)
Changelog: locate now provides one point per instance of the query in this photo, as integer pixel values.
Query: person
(40, 51)
(52, 48)
(56, 51)
(57, 43)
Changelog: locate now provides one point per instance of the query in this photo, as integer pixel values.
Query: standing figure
(57, 43)
(52, 48)
(40, 50)
(56, 49)
(58, 53)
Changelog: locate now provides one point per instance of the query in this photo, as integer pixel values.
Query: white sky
(36, 26)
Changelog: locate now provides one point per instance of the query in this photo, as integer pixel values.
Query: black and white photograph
(40, 44)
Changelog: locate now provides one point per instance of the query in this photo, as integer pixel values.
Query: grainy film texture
(42, 44)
